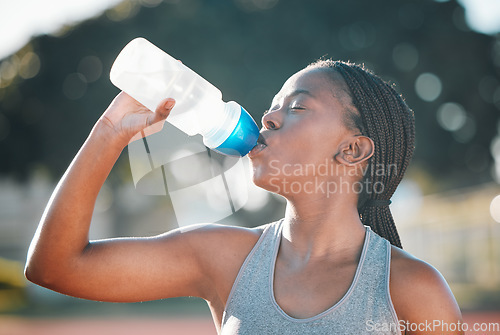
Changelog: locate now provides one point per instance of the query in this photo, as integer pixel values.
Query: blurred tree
(53, 90)
(12, 286)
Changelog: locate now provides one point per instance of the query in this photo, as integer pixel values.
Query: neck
(322, 226)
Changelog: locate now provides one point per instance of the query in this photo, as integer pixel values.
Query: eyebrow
(295, 93)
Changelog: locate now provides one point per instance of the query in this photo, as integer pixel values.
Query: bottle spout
(242, 139)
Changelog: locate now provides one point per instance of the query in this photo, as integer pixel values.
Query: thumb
(164, 108)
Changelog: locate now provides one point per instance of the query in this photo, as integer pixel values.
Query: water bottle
(150, 75)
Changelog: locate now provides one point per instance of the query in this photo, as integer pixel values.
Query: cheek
(313, 149)
(312, 139)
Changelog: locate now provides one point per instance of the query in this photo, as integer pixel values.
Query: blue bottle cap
(242, 139)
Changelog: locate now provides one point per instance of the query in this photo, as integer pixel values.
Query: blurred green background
(55, 87)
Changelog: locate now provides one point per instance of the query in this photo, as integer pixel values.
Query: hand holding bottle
(127, 119)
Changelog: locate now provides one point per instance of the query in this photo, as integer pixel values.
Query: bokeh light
(124, 10)
(495, 148)
(407, 200)
(91, 68)
(428, 86)
(483, 14)
(495, 208)
(451, 116)
(29, 65)
(8, 68)
(495, 153)
(467, 132)
(405, 56)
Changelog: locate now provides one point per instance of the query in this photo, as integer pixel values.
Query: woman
(335, 143)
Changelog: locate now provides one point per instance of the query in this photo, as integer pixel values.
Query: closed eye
(296, 105)
(297, 108)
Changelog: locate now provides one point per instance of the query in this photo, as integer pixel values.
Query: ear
(356, 150)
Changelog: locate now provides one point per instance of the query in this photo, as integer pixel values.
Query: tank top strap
(375, 262)
(261, 255)
(370, 288)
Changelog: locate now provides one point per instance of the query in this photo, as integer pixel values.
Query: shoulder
(419, 292)
(220, 236)
(412, 274)
(216, 240)
(220, 250)
(222, 247)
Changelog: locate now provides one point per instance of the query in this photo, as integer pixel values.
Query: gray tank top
(366, 308)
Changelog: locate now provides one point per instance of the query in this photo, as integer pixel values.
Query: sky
(22, 19)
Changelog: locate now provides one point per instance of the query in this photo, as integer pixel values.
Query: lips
(261, 145)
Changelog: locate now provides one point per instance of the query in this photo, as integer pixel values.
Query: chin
(258, 178)
(268, 176)
(262, 180)
(267, 182)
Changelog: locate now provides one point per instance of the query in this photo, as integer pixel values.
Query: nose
(271, 120)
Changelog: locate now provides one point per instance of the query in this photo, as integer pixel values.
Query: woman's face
(303, 131)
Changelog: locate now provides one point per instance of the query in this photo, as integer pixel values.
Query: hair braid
(381, 114)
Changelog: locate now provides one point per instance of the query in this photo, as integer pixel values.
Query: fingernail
(169, 104)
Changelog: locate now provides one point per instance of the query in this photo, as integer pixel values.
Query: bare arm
(422, 298)
(129, 269)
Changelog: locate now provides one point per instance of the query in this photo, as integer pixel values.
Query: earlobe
(356, 151)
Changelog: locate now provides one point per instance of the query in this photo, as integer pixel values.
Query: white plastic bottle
(150, 75)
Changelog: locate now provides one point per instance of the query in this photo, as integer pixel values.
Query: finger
(164, 108)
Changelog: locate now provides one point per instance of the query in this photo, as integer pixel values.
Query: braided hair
(380, 113)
